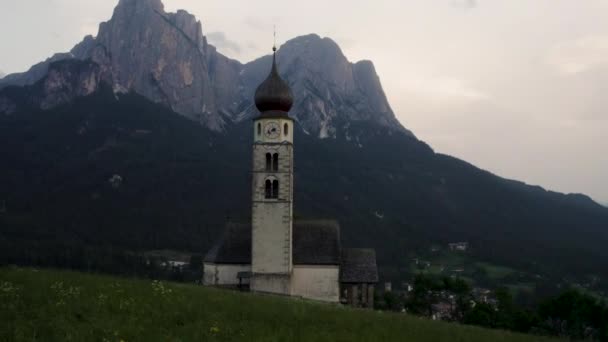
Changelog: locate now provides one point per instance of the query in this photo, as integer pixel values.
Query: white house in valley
(273, 253)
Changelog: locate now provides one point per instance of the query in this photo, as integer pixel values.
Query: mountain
(178, 182)
(34, 74)
(331, 92)
(166, 58)
(140, 139)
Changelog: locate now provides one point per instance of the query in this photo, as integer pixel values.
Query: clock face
(272, 130)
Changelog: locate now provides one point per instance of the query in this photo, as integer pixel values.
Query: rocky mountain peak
(319, 57)
(162, 56)
(166, 58)
(330, 91)
(134, 7)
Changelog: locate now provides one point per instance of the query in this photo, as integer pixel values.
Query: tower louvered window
(271, 189)
(268, 190)
(268, 162)
(275, 189)
(275, 162)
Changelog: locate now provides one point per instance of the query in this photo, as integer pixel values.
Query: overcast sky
(517, 87)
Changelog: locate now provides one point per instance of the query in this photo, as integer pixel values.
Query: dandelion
(126, 303)
(9, 293)
(7, 287)
(64, 293)
(159, 288)
(101, 299)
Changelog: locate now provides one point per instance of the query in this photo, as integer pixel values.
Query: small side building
(358, 276)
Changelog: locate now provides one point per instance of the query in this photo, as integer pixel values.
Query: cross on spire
(274, 45)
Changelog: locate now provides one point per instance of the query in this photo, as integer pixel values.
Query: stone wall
(272, 218)
(271, 283)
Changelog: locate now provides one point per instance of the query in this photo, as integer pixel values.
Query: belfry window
(268, 192)
(259, 129)
(275, 189)
(271, 189)
(275, 162)
(286, 129)
(268, 162)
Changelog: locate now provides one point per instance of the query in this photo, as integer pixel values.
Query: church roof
(315, 242)
(233, 247)
(358, 266)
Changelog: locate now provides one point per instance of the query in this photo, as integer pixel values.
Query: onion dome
(274, 94)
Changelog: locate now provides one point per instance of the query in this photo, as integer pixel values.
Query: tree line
(572, 313)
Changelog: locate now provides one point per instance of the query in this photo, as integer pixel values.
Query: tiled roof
(233, 247)
(358, 266)
(315, 242)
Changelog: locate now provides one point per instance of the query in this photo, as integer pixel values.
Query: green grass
(495, 271)
(46, 305)
(521, 287)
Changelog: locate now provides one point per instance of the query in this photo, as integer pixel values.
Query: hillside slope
(65, 306)
(87, 164)
(180, 182)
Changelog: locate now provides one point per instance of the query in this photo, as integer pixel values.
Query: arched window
(268, 162)
(268, 189)
(286, 129)
(275, 162)
(275, 189)
(259, 129)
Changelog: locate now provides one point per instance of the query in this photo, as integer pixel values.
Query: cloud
(447, 89)
(2, 74)
(580, 55)
(220, 41)
(464, 4)
(256, 23)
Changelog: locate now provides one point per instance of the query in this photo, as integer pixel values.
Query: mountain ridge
(166, 58)
(88, 118)
(180, 181)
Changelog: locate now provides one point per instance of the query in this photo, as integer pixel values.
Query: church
(275, 253)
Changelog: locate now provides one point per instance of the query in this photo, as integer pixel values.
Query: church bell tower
(272, 187)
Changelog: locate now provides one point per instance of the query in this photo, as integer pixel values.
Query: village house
(442, 311)
(458, 246)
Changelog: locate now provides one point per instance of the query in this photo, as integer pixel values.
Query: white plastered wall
(223, 274)
(316, 282)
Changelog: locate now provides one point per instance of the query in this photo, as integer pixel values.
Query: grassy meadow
(48, 305)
